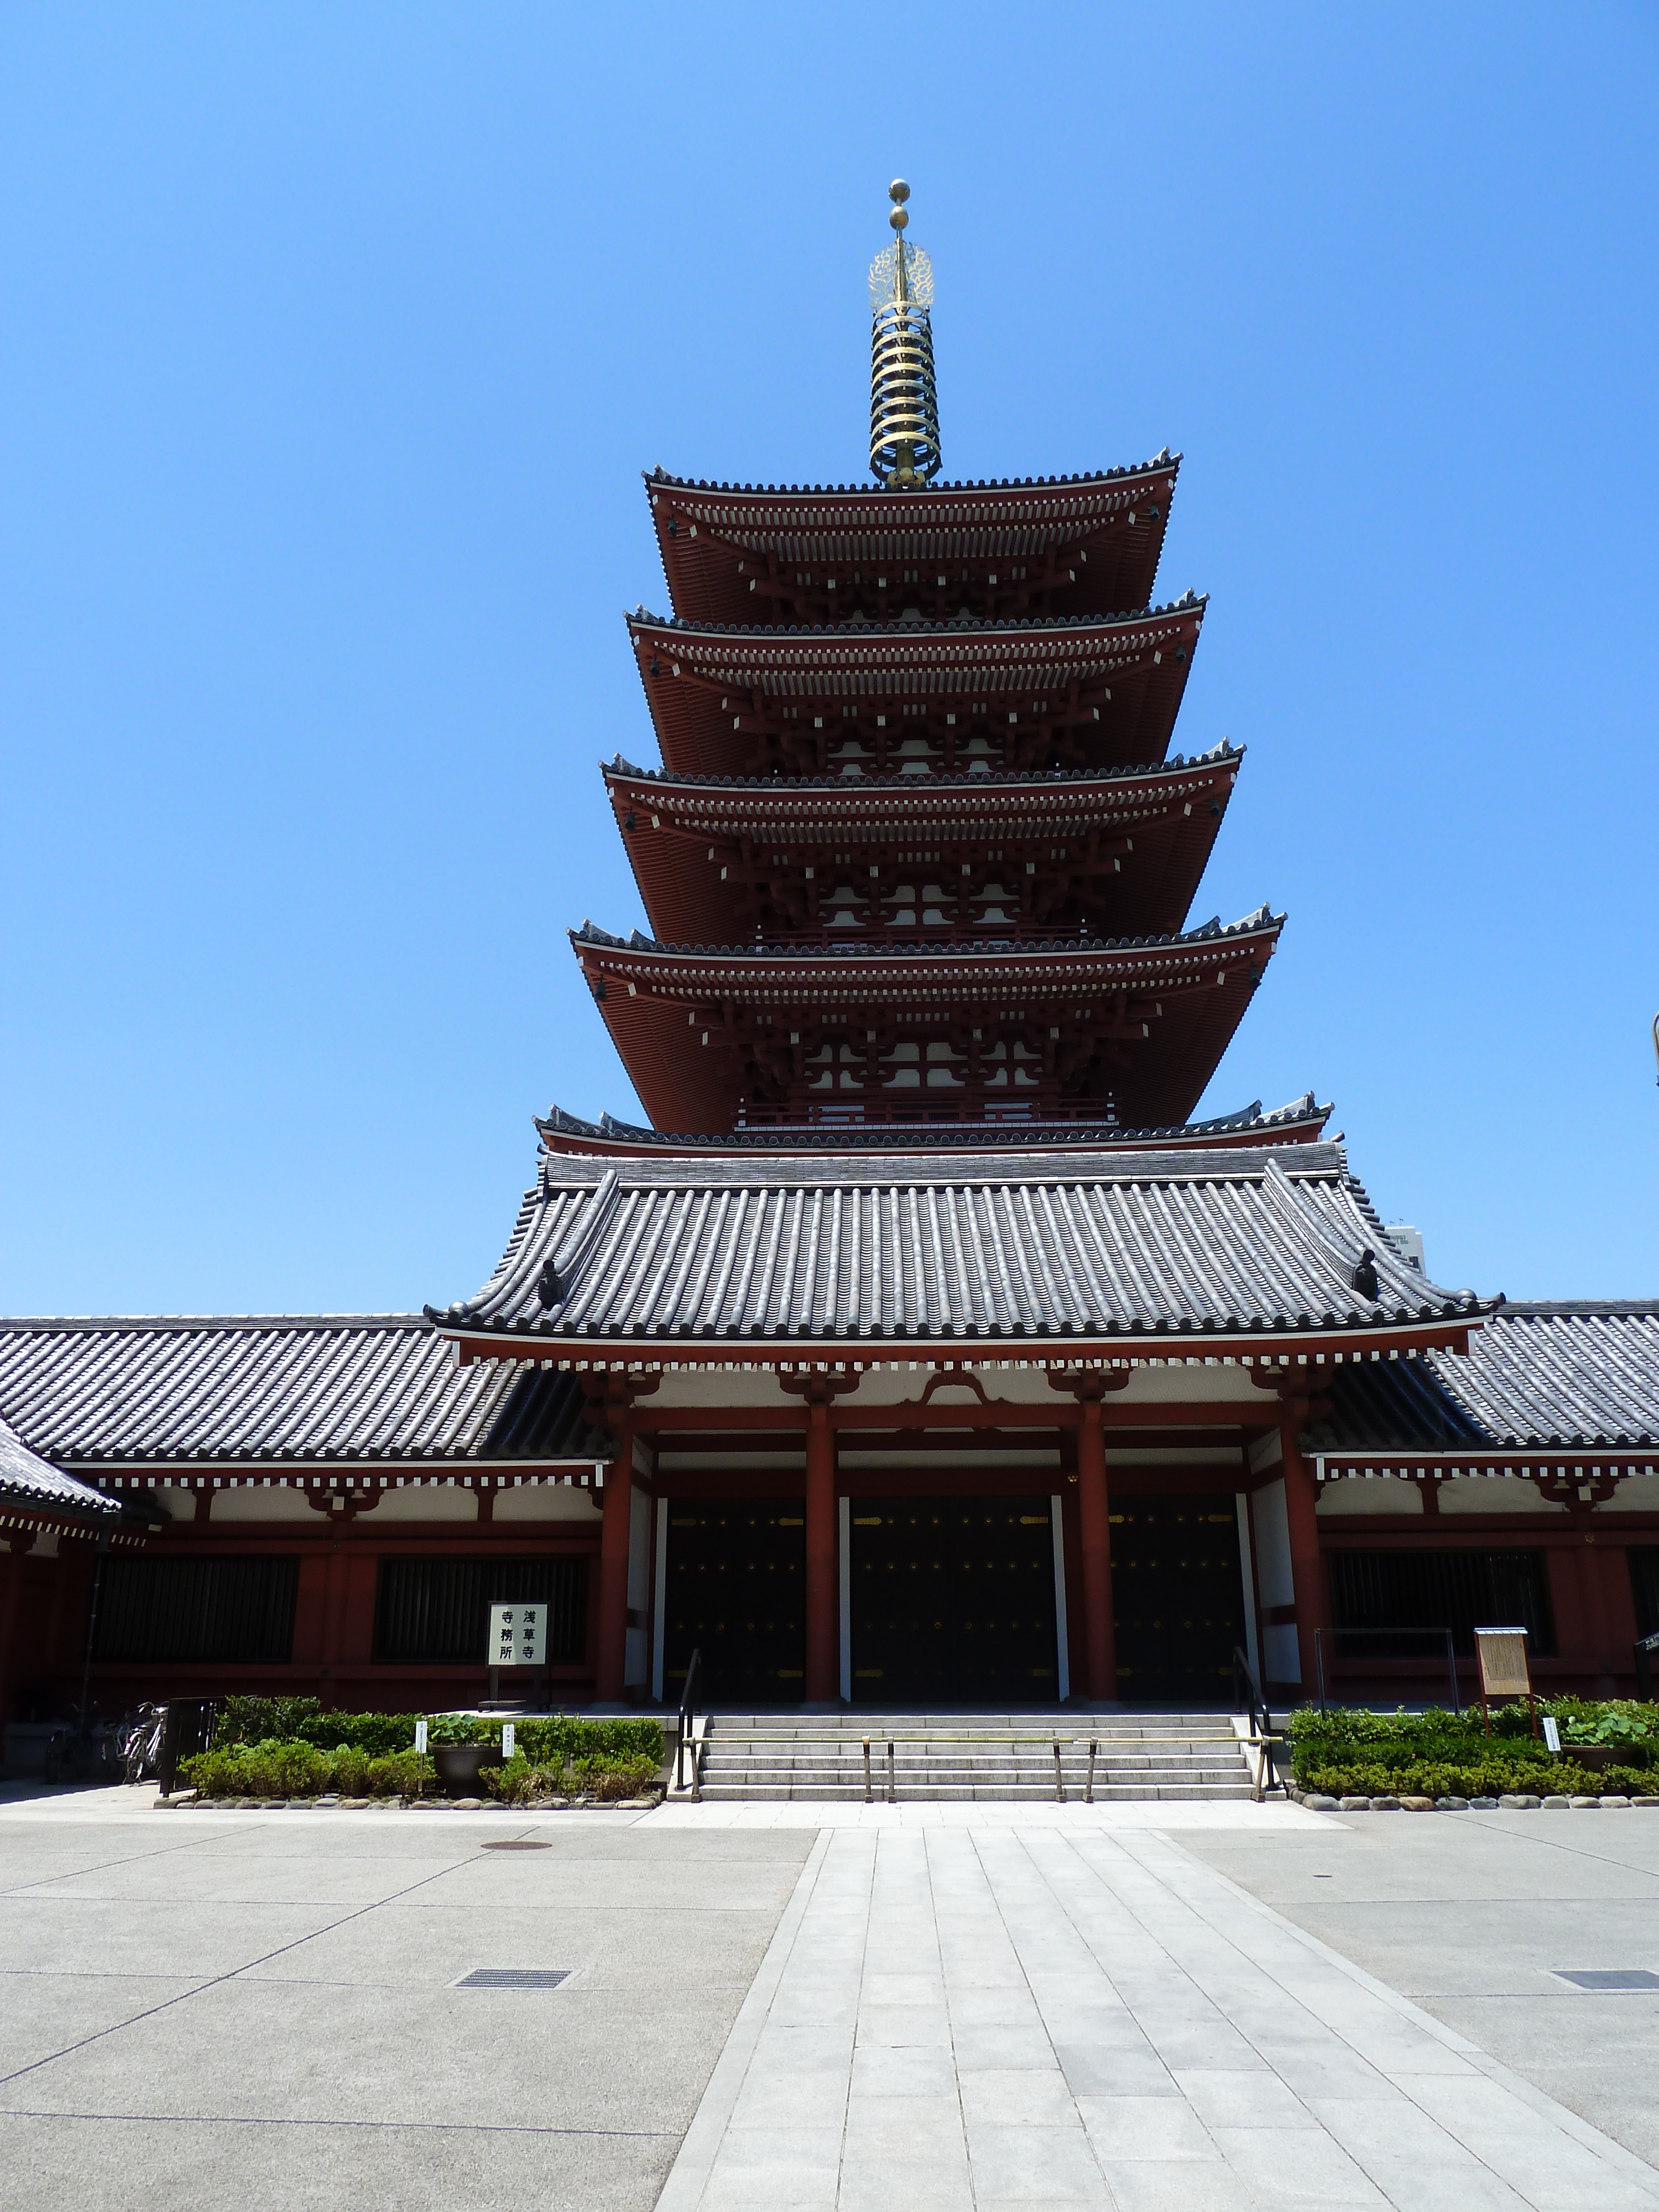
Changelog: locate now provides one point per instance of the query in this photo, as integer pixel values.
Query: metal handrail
(691, 1701)
(1319, 1634)
(1248, 1700)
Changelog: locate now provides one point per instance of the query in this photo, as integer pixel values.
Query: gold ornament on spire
(903, 400)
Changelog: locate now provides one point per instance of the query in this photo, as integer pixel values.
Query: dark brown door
(736, 1591)
(1177, 1597)
(953, 1601)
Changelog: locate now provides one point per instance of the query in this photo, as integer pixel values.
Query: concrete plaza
(799, 2006)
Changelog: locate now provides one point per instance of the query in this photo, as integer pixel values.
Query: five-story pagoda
(918, 857)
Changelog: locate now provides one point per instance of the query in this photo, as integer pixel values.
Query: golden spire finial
(903, 402)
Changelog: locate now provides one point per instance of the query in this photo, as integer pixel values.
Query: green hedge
(554, 1742)
(1344, 1753)
(293, 1769)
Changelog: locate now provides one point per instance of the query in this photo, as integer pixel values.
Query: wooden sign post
(1502, 1654)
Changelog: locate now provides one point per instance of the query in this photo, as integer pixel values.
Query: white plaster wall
(1271, 1528)
(1027, 1386)
(547, 1501)
(175, 1501)
(1267, 1451)
(1636, 1494)
(1380, 1493)
(279, 1503)
(1493, 1493)
(430, 1502)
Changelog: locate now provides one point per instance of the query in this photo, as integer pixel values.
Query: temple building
(917, 1345)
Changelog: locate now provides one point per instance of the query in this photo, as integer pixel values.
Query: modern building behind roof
(918, 1346)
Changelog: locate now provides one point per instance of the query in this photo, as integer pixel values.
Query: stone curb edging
(1312, 1802)
(187, 1800)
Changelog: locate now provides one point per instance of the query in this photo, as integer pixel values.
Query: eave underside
(737, 556)
(839, 703)
(1105, 856)
(1133, 1036)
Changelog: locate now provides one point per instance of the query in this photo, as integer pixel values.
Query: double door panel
(1177, 1597)
(952, 1601)
(736, 1590)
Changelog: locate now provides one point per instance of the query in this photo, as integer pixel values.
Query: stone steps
(970, 1758)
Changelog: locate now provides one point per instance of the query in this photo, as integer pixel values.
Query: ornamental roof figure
(903, 400)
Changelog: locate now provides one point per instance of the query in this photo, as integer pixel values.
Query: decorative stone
(1555, 1804)
(1313, 1804)
(469, 1804)
(1615, 1804)
(1417, 1804)
(1645, 1804)
(1356, 1804)
(1451, 1804)
(1586, 1804)
(1483, 1804)
(1518, 1804)
(1385, 1804)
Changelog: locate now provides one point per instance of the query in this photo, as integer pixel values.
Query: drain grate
(516, 1843)
(1606, 1977)
(515, 1977)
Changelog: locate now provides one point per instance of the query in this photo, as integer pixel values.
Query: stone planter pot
(1597, 1758)
(460, 1764)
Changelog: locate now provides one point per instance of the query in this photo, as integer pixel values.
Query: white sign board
(517, 1636)
(420, 1736)
(509, 1738)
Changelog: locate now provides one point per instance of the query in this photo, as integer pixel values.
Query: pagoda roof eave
(722, 697)
(640, 619)
(677, 1015)
(1226, 754)
(1299, 1122)
(1263, 923)
(1162, 463)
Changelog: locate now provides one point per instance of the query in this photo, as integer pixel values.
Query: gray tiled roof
(277, 1389)
(27, 1481)
(1104, 1246)
(1538, 1374)
(1039, 1136)
(1164, 460)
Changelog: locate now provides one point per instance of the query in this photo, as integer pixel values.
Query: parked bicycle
(141, 1744)
(82, 1749)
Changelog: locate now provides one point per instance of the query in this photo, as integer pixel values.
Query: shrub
(551, 1742)
(1435, 1753)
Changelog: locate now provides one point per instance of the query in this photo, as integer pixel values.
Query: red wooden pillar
(1095, 1521)
(1313, 1605)
(823, 1584)
(612, 1656)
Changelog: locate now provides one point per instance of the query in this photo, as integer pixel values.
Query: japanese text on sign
(517, 1636)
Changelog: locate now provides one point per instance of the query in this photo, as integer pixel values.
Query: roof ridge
(640, 617)
(1165, 459)
(36, 1323)
(962, 779)
(1214, 930)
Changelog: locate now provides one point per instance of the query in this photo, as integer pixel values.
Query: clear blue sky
(335, 340)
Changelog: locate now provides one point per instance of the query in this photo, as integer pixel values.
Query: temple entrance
(1177, 1597)
(735, 1590)
(953, 1601)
